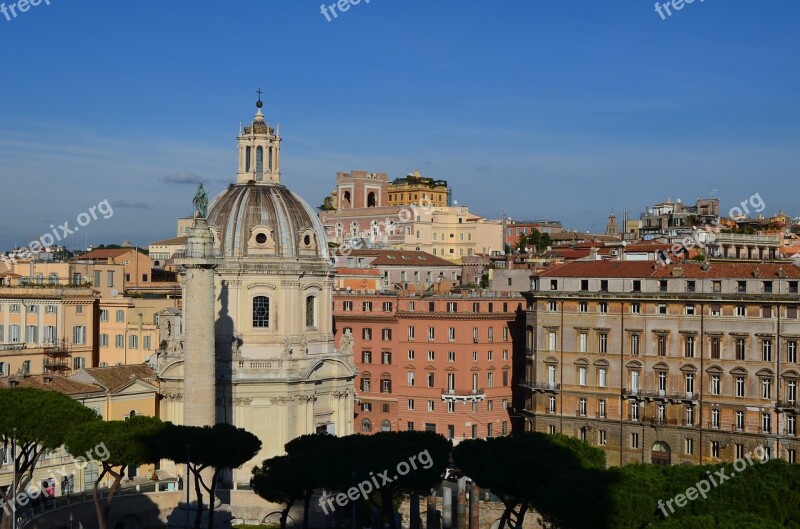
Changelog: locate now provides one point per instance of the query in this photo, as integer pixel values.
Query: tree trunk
(198, 517)
(212, 496)
(285, 514)
(307, 508)
(388, 508)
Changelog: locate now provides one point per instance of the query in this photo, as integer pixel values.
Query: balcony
(655, 421)
(463, 395)
(663, 395)
(789, 405)
(631, 392)
(544, 387)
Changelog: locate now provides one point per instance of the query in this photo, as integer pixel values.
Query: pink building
(444, 363)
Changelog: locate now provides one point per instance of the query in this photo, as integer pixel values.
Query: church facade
(276, 371)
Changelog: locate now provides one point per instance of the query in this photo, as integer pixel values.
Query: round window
(261, 238)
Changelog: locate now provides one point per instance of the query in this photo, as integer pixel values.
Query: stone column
(474, 506)
(461, 505)
(432, 518)
(447, 508)
(199, 403)
(199, 352)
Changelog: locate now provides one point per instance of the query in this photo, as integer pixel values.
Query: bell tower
(259, 151)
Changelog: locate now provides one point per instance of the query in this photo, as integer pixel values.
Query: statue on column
(346, 343)
(200, 202)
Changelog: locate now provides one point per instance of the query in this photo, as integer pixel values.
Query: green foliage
(125, 444)
(202, 447)
(761, 496)
(546, 472)
(38, 420)
(535, 241)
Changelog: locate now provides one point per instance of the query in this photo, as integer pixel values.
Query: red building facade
(444, 363)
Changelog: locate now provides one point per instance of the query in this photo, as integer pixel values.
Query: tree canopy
(125, 444)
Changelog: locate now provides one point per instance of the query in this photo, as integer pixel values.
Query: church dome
(265, 220)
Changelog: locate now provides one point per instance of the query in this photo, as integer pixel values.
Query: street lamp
(14, 479)
(186, 483)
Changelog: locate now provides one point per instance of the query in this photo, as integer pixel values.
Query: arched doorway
(662, 455)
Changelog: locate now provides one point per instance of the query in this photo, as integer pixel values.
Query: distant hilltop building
(412, 213)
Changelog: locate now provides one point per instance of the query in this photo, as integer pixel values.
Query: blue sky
(560, 109)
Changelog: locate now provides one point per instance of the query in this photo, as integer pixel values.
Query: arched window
(247, 156)
(366, 425)
(270, 159)
(346, 199)
(386, 426)
(261, 312)
(311, 309)
(259, 163)
(371, 202)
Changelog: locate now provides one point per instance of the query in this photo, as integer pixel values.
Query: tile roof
(173, 241)
(105, 253)
(117, 377)
(402, 258)
(689, 269)
(61, 384)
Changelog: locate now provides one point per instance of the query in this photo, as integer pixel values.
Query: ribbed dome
(265, 220)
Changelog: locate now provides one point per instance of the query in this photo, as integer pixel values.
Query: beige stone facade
(689, 363)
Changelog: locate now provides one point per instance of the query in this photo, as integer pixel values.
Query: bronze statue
(200, 202)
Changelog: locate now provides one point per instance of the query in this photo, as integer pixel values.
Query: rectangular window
(741, 287)
(552, 306)
(367, 306)
(662, 308)
(411, 354)
(431, 334)
(583, 341)
(104, 315)
(452, 306)
(739, 421)
(715, 349)
(739, 386)
(387, 306)
(451, 356)
(366, 333)
(634, 344)
(582, 376)
(636, 308)
(348, 306)
(583, 306)
(603, 343)
(120, 316)
(79, 335)
(741, 310)
(431, 405)
(386, 335)
(103, 340)
(716, 286)
(766, 311)
(716, 310)
(410, 405)
(741, 348)
(431, 356)
(689, 347)
(634, 440)
(386, 385)
(690, 309)
(431, 380)
(715, 385)
(689, 446)
(637, 285)
(133, 342)
(791, 351)
(451, 334)
(146, 342)
(411, 333)
(386, 358)
(603, 307)
(766, 350)
(78, 362)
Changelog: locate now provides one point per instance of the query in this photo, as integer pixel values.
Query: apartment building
(419, 190)
(690, 363)
(443, 363)
(47, 330)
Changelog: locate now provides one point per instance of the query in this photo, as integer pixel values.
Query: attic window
(261, 238)
(306, 240)
(390, 256)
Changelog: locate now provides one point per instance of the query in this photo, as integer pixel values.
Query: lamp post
(14, 479)
(186, 483)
